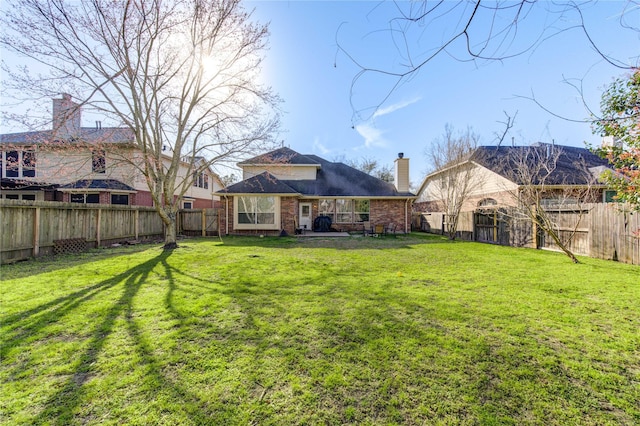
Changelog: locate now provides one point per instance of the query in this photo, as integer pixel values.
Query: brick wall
(382, 212)
(201, 203)
(388, 212)
(143, 198)
(289, 214)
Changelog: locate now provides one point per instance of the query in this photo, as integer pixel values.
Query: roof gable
(281, 156)
(264, 183)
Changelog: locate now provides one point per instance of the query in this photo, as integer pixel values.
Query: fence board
(65, 221)
(604, 230)
(192, 221)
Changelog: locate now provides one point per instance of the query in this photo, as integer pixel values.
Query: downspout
(226, 220)
(405, 215)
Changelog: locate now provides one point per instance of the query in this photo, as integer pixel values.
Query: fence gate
(492, 226)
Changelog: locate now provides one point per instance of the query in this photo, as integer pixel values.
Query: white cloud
(319, 147)
(394, 107)
(372, 135)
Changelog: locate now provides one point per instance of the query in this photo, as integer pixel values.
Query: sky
(315, 48)
(310, 64)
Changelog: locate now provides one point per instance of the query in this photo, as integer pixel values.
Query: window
(85, 198)
(257, 212)
(187, 205)
(361, 210)
(121, 199)
(27, 197)
(98, 161)
(12, 164)
(201, 180)
(18, 164)
(487, 202)
(609, 196)
(345, 210)
(328, 208)
(28, 164)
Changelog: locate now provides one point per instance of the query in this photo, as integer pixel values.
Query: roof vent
(401, 155)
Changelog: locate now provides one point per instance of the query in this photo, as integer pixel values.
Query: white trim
(257, 226)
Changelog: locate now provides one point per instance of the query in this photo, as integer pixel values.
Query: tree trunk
(170, 238)
(563, 247)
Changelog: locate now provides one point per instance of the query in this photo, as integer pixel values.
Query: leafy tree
(620, 120)
(181, 74)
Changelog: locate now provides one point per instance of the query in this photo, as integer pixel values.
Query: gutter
(226, 220)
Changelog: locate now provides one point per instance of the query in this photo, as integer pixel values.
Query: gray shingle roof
(571, 168)
(332, 180)
(281, 156)
(86, 134)
(23, 184)
(264, 183)
(111, 184)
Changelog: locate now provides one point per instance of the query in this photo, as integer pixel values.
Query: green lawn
(406, 330)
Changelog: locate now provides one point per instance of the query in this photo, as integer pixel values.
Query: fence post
(137, 222)
(204, 222)
(98, 220)
(36, 232)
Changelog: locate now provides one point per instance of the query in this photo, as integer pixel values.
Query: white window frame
(334, 211)
(260, 226)
(84, 197)
(20, 163)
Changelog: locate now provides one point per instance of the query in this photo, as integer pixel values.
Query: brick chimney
(401, 175)
(66, 117)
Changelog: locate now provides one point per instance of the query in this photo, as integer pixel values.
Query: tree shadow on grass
(61, 408)
(40, 265)
(340, 243)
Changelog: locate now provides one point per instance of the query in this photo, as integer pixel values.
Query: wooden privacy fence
(203, 222)
(34, 228)
(602, 230)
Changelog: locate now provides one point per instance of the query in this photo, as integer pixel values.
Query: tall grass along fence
(36, 228)
(604, 231)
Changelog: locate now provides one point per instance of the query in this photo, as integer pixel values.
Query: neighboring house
(494, 177)
(285, 190)
(77, 164)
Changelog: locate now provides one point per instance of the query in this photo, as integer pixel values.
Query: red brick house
(287, 191)
(94, 165)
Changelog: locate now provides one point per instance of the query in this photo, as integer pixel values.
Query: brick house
(95, 165)
(286, 191)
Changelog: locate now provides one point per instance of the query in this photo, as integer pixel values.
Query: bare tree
(371, 167)
(548, 183)
(180, 74)
(454, 178)
(420, 32)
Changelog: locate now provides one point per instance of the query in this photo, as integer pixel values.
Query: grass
(407, 330)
